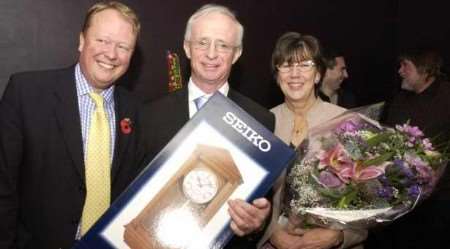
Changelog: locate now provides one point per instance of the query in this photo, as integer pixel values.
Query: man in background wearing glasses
(213, 43)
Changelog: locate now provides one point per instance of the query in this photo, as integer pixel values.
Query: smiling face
(296, 85)
(211, 64)
(412, 80)
(335, 76)
(106, 48)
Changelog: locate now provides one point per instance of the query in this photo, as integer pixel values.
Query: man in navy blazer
(213, 43)
(44, 119)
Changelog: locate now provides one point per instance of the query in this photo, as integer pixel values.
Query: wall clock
(190, 198)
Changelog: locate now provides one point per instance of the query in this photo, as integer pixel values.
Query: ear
(277, 78)
(187, 49)
(237, 54)
(81, 44)
(317, 78)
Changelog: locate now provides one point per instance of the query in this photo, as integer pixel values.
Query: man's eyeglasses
(219, 46)
(304, 66)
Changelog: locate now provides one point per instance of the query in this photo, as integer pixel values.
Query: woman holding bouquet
(298, 67)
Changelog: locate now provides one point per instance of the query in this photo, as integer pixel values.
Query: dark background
(43, 34)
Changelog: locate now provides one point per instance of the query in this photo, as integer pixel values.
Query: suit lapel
(122, 112)
(233, 95)
(183, 113)
(68, 117)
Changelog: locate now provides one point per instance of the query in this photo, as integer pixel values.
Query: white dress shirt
(195, 92)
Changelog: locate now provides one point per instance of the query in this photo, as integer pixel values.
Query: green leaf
(380, 159)
(377, 139)
(345, 201)
(336, 195)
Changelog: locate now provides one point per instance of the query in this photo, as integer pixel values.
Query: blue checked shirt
(86, 106)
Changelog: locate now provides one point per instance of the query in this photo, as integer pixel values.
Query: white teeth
(210, 65)
(105, 65)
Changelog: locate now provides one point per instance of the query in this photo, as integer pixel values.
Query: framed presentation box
(201, 186)
(180, 199)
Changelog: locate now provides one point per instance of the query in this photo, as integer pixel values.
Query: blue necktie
(200, 101)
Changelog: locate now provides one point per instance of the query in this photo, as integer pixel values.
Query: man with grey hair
(213, 43)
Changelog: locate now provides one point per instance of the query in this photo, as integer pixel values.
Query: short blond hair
(123, 9)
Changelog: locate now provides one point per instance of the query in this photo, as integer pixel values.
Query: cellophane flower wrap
(353, 173)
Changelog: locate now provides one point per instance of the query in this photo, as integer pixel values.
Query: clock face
(200, 185)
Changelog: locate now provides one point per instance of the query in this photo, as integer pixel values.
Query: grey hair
(214, 8)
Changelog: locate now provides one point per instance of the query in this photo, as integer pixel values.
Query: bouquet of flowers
(354, 173)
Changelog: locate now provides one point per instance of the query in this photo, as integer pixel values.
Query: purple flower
(413, 131)
(401, 173)
(425, 173)
(414, 160)
(413, 191)
(383, 180)
(328, 179)
(386, 192)
(348, 126)
(427, 145)
(404, 169)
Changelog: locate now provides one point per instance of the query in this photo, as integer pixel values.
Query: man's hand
(247, 218)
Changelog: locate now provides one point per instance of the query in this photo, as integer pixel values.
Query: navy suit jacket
(42, 180)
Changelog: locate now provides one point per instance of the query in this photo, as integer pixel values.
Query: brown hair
(293, 47)
(123, 9)
(427, 61)
(329, 56)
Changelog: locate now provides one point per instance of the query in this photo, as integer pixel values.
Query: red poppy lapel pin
(126, 126)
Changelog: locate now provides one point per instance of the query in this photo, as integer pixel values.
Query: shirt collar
(194, 91)
(84, 88)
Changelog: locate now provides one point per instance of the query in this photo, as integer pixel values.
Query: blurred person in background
(336, 72)
(423, 101)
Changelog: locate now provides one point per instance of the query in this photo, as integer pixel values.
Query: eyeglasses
(304, 66)
(219, 46)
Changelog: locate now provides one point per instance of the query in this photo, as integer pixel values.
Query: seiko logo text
(246, 131)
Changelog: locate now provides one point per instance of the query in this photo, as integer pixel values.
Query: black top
(345, 98)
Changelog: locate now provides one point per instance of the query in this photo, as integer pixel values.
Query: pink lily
(359, 173)
(335, 158)
(364, 173)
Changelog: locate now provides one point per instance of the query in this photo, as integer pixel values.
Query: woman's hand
(282, 239)
(316, 238)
